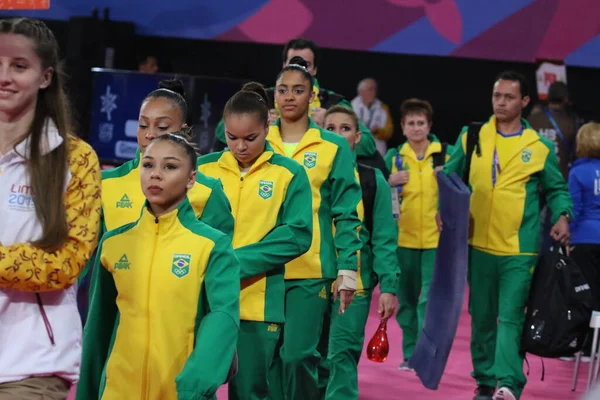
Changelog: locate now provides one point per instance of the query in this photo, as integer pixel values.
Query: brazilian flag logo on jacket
(181, 265)
(310, 159)
(265, 189)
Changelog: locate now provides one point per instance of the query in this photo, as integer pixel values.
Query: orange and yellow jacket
(505, 217)
(164, 315)
(40, 325)
(273, 225)
(328, 161)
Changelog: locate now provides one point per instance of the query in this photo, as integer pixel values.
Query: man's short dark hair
(558, 92)
(300, 44)
(515, 77)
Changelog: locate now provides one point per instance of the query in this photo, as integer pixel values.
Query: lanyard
(495, 167)
(371, 115)
(496, 170)
(399, 168)
(558, 131)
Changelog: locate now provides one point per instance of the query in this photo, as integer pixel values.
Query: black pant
(587, 257)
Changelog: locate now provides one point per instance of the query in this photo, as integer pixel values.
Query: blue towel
(447, 291)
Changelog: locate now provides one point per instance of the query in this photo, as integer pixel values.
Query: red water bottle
(379, 347)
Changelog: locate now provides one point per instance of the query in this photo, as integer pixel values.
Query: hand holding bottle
(387, 305)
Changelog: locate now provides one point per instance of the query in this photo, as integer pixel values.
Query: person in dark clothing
(556, 122)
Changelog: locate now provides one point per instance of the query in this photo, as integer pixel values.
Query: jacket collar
(312, 136)
(229, 162)
(167, 222)
(434, 147)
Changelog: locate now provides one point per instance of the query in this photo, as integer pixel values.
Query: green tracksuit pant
(256, 348)
(499, 287)
(413, 289)
(293, 374)
(346, 339)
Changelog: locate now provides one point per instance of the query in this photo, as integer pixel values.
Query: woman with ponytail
(332, 257)
(271, 198)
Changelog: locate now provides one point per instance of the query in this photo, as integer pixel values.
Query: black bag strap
(439, 159)
(472, 145)
(376, 161)
(368, 185)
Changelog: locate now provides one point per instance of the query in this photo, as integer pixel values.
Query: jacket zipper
(145, 393)
(421, 194)
(47, 324)
(237, 208)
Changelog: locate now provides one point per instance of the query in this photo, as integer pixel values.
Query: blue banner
(116, 100)
(118, 95)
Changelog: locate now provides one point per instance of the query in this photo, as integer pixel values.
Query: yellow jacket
(505, 218)
(164, 313)
(329, 164)
(416, 225)
(273, 225)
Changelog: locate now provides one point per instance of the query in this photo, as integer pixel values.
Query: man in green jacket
(378, 264)
(511, 162)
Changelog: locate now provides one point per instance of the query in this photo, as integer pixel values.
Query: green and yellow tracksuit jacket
(273, 225)
(505, 216)
(378, 259)
(328, 161)
(164, 314)
(122, 199)
(416, 225)
(366, 147)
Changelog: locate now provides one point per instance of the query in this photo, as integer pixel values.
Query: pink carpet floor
(385, 382)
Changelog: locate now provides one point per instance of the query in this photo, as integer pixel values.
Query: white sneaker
(572, 358)
(504, 393)
(405, 367)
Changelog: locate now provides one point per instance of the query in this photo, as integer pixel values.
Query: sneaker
(405, 367)
(484, 392)
(504, 393)
(568, 359)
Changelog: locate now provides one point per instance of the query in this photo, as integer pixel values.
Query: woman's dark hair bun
(297, 60)
(257, 88)
(174, 85)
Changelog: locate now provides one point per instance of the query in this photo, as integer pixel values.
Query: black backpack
(368, 185)
(472, 146)
(375, 160)
(559, 307)
(439, 159)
